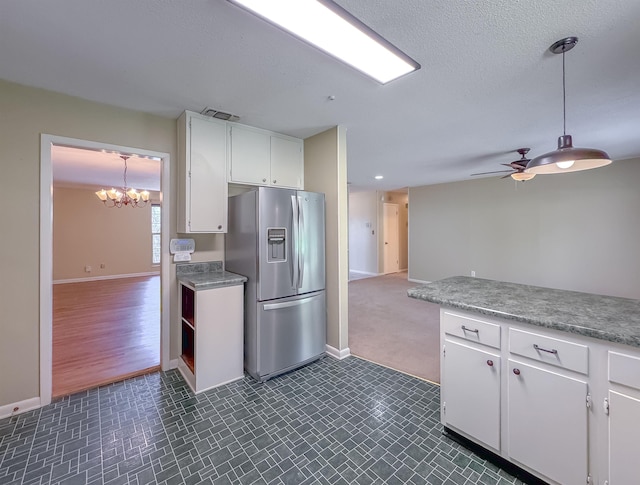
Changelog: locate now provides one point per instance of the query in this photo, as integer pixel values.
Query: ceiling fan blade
(517, 165)
(508, 175)
(485, 173)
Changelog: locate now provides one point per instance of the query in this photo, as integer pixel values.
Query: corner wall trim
(23, 406)
(338, 354)
(173, 364)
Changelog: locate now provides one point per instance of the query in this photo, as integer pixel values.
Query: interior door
(391, 239)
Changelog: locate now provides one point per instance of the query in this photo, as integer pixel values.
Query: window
(155, 233)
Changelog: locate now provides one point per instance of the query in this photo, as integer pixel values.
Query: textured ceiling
(487, 84)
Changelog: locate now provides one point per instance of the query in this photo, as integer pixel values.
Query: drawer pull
(490, 363)
(540, 349)
(516, 372)
(472, 330)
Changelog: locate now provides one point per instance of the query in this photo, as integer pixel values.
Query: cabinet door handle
(275, 181)
(540, 349)
(264, 180)
(219, 227)
(465, 329)
(516, 372)
(490, 363)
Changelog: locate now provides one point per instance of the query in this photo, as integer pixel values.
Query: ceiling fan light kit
(522, 176)
(517, 166)
(566, 158)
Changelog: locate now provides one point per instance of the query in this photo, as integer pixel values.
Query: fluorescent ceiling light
(335, 31)
(378, 177)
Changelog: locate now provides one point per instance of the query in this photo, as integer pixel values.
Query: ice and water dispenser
(277, 241)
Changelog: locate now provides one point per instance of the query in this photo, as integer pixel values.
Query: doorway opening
(385, 326)
(107, 316)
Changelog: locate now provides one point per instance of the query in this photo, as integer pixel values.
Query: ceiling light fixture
(567, 158)
(522, 176)
(378, 177)
(126, 197)
(332, 29)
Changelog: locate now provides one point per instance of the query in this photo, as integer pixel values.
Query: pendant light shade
(567, 158)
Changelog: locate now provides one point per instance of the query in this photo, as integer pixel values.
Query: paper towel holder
(182, 249)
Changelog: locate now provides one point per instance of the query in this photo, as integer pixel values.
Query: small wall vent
(214, 113)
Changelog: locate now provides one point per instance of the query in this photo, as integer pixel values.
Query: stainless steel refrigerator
(276, 239)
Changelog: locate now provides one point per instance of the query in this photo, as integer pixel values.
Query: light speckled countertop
(207, 275)
(598, 316)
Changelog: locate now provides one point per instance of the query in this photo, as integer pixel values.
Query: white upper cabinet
(261, 157)
(202, 185)
(250, 155)
(287, 162)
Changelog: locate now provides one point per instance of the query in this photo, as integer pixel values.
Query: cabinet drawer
(471, 329)
(624, 369)
(561, 353)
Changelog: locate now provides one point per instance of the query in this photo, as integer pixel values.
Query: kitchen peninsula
(546, 379)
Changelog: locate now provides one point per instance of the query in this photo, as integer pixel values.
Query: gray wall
(578, 231)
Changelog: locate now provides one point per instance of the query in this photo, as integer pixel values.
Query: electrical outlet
(87, 269)
(473, 274)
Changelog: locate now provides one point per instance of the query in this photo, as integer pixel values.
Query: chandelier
(125, 197)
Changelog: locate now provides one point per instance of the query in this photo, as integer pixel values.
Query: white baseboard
(22, 407)
(413, 280)
(173, 364)
(110, 277)
(363, 272)
(338, 354)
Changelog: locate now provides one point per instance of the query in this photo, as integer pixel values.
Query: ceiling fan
(517, 168)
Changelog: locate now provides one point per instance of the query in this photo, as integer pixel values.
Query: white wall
(363, 232)
(577, 231)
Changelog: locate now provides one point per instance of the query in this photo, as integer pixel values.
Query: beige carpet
(389, 328)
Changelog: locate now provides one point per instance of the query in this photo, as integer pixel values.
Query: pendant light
(567, 158)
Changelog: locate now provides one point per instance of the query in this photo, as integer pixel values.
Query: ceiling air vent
(214, 113)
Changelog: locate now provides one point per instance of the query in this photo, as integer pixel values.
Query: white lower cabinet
(624, 442)
(547, 422)
(472, 376)
(212, 327)
(561, 406)
(623, 409)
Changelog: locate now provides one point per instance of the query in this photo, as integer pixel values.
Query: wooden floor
(104, 331)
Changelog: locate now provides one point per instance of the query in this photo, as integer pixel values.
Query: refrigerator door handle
(286, 304)
(293, 260)
(301, 245)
